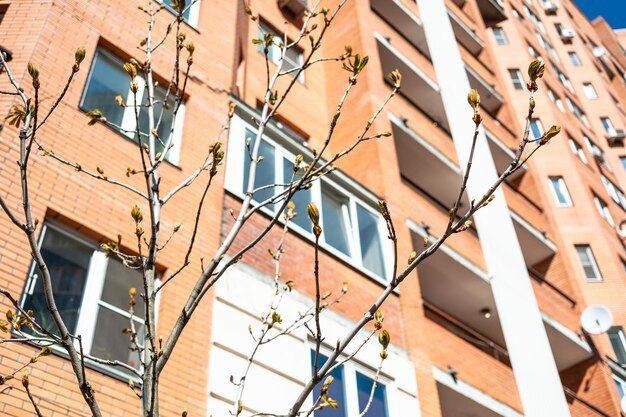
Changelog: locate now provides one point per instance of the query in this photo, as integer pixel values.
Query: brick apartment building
(489, 326)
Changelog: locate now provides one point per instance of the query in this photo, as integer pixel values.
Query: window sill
(344, 259)
(110, 371)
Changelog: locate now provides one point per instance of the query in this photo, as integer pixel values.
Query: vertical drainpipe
(537, 377)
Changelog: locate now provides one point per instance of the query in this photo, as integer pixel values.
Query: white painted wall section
(282, 367)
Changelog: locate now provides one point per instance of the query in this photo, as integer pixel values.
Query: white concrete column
(535, 371)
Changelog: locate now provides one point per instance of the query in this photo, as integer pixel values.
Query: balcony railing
(467, 333)
(536, 275)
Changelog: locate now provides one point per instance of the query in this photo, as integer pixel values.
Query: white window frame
(234, 183)
(596, 151)
(613, 190)
(562, 187)
(534, 18)
(603, 209)
(350, 388)
(592, 259)
(607, 124)
(622, 160)
(517, 78)
(622, 336)
(500, 36)
(275, 52)
(590, 91)
(536, 123)
(577, 150)
(194, 12)
(556, 100)
(94, 284)
(577, 111)
(573, 56)
(128, 118)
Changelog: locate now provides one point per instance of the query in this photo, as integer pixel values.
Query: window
(589, 91)
(351, 389)
(556, 100)
(517, 14)
(547, 46)
(351, 229)
(536, 128)
(293, 56)
(517, 78)
(562, 77)
(534, 18)
(618, 341)
(588, 262)
(603, 209)
(577, 150)
(559, 189)
(577, 111)
(533, 52)
(107, 80)
(91, 292)
(596, 152)
(622, 159)
(616, 194)
(500, 36)
(608, 126)
(573, 56)
(190, 14)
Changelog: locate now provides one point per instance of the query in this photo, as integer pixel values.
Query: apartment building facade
(488, 326)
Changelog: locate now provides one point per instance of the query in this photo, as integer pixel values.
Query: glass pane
(588, 264)
(618, 346)
(110, 343)
(559, 191)
(371, 245)
(301, 199)
(117, 281)
(67, 260)
(378, 407)
(335, 215)
(166, 120)
(336, 391)
(107, 81)
(265, 171)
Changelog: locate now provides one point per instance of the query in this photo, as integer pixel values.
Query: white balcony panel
(490, 99)
(465, 35)
(404, 21)
(535, 246)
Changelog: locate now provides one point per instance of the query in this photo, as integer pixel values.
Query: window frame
(128, 116)
(577, 150)
(517, 78)
(616, 193)
(94, 285)
(619, 331)
(603, 210)
(350, 384)
(536, 123)
(554, 97)
(285, 148)
(593, 263)
(562, 189)
(607, 124)
(265, 27)
(500, 36)
(574, 58)
(590, 91)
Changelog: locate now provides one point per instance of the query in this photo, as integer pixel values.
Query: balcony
(458, 398)
(615, 137)
(490, 99)
(568, 348)
(398, 16)
(458, 288)
(425, 167)
(535, 246)
(465, 35)
(502, 156)
(491, 10)
(417, 87)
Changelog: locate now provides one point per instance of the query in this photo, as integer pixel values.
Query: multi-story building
(488, 326)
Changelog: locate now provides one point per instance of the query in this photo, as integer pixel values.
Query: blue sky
(613, 11)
